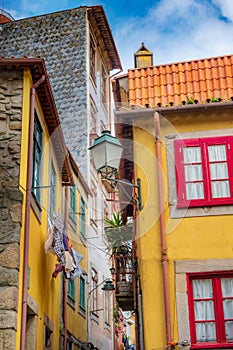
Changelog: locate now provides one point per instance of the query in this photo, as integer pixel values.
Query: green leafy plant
(118, 234)
(215, 99)
(190, 100)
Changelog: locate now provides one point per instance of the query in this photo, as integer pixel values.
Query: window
(211, 309)
(71, 289)
(93, 118)
(72, 211)
(94, 282)
(37, 155)
(82, 218)
(104, 86)
(204, 171)
(82, 293)
(52, 190)
(92, 59)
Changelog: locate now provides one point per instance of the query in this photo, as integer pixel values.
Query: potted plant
(116, 233)
(119, 238)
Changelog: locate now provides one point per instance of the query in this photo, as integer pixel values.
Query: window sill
(82, 311)
(94, 317)
(71, 302)
(83, 239)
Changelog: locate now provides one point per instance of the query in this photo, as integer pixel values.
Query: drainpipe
(158, 144)
(27, 214)
(64, 280)
(135, 283)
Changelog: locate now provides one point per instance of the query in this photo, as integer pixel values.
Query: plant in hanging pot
(119, 237)
(116, 233)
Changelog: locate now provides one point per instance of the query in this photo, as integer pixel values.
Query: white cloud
(226, 7)
(178, 31)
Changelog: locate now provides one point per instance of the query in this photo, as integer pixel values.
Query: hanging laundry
(58, 269)
(77, 268)
(56, 237)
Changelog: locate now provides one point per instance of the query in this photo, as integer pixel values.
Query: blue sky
(174, 30)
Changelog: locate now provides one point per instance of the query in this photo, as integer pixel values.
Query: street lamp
(106, 154)
(108, 286)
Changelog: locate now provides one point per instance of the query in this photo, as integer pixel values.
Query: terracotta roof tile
(176, 82)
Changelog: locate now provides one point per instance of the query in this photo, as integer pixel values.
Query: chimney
(143, 57)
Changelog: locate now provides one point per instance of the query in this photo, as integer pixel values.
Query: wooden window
(211, 309)
(82, 218)
(104, 86)
(204, 171)
(71, 290)
(37, 156)
(92, 59)
(82, 293)
(94, 282)
(72, 210)
(53, 180)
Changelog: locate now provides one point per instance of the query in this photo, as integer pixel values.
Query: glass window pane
(218, 171)
(194, 190)
(228, 308)
(204, 310)
(205, 332)
(192, 154)
(229, 330)
(193, 172)
(220, 189)
(202, 289)
(217, 152)
(227, 287)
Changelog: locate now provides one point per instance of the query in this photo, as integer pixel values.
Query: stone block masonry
(11, 88)
(61, 39)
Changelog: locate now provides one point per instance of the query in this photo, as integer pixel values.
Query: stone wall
(11, 84)
(61, 39)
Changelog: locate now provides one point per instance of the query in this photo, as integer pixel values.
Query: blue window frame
(71, 289)
(72, 211)
(82, 218)
(53, 180)
(37, 156)
(82, 293)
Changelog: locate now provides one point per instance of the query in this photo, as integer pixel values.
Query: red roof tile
(176, 82)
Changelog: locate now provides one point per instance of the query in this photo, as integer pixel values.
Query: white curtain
(204, 310)
(218, 171)
(193, 172)
(227, 291)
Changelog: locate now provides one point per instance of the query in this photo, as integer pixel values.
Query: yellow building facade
(47, 250)
(182, 154)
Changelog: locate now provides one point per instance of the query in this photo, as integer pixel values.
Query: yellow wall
(44, 290)
(206, 237)
(76, 322)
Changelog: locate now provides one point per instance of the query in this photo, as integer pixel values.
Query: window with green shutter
(37, 156)
(71, 289)
(82, 293)
(53, 180)
(72, 211)
(82, 218)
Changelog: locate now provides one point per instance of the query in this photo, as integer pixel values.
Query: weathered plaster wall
(10, 202)
(61, 39)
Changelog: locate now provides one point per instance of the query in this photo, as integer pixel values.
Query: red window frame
(203, 143)
(221, 341)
